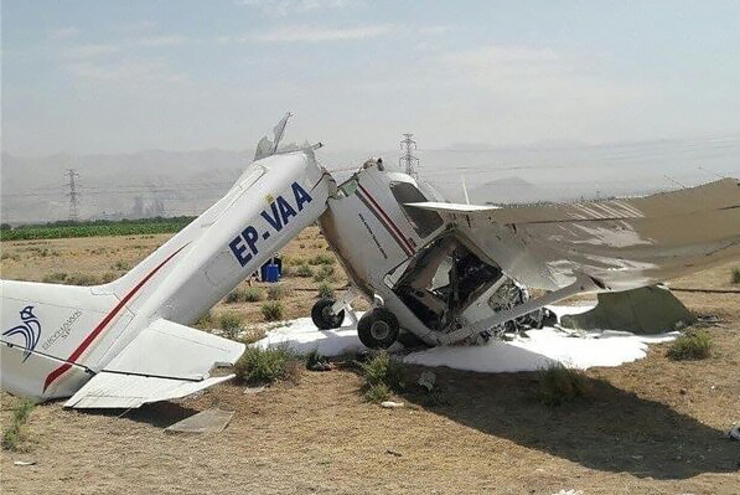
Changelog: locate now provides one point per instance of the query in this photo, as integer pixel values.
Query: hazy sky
(120, 76)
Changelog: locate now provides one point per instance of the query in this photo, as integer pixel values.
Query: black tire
(322, 316)
(378, 329)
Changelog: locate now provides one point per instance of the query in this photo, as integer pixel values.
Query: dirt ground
(652, 427)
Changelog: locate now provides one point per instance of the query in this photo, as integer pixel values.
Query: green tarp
(645, 311)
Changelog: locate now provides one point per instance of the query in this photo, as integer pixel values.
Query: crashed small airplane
(449, 273)
(439, 272)
(127, 343)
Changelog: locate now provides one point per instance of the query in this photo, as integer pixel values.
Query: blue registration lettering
(286, 211)
(240, 251)
(301, 196)
(273, 220)
(250, 236)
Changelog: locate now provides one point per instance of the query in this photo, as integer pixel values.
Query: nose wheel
(378, 329)
(323, 316)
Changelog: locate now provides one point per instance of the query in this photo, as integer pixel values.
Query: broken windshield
(424, 221)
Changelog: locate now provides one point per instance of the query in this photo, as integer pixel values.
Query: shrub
(232, 297)
(276, 292)
(735, 279)
(81, 279)
(121, 265)
(231, 324)
(272, 310)
(304, 271)
(325, 291)
(251, 294)
(377, 393)
(13, 434)
(205, 322)
(263, 366)
(55, 278)
(108, 277)
(322, 259)
(325, 273)
(693, 345)
(558, 385)
(381, 370)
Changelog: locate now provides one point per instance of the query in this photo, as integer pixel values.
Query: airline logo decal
(29, 329)
(281, 211)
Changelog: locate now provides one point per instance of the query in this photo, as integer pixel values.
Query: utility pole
(74, 196)
(408, 162)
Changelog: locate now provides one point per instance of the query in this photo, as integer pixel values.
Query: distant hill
(506, 190)
(167, 183)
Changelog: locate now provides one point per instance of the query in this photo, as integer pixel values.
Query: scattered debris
(24, 463)
(212, 420)
(317, 362)
(569, 492)
(391, 405)
(393, 452)
(254, 390)
(427, 380)
(734, 433)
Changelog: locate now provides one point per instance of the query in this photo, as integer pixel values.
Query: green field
(58, 230)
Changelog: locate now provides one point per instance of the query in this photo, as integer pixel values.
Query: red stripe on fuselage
(388, 219)
(101, 326)
(381, 220)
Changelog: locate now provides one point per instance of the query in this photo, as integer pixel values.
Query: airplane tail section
(55, 337)
(165, 361)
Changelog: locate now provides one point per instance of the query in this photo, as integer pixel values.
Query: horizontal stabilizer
(165, 361)
(115, 391)
(169, 349)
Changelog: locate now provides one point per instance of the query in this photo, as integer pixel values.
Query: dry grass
(264, 366)
(14, 434)
(558, 385)
(693, 345)
(231, 323)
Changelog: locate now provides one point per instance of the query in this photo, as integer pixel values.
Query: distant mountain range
(166, 183)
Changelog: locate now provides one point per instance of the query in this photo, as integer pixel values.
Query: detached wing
(165, 361)
(625, 243)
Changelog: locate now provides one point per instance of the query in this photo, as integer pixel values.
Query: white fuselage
(78, 331)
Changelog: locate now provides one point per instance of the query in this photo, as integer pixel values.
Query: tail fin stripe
(98, 329)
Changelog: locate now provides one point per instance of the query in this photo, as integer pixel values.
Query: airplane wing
(165, 361)
(624, 243)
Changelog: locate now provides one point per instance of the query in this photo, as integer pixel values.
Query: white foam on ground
(539, 349)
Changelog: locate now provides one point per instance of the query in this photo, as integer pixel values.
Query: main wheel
(378, 329)
(323, 317)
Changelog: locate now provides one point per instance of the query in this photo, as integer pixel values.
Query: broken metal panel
(643, 311)
(212, 420)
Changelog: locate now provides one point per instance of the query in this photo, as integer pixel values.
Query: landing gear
(323, 317)
(378, 329)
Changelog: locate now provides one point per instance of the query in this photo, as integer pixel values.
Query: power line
(73, 195)
(408, 162)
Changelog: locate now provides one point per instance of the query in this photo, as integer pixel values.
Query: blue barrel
(272, 273)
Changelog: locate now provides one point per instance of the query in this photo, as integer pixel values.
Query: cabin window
(349, 187)
(424, 221)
